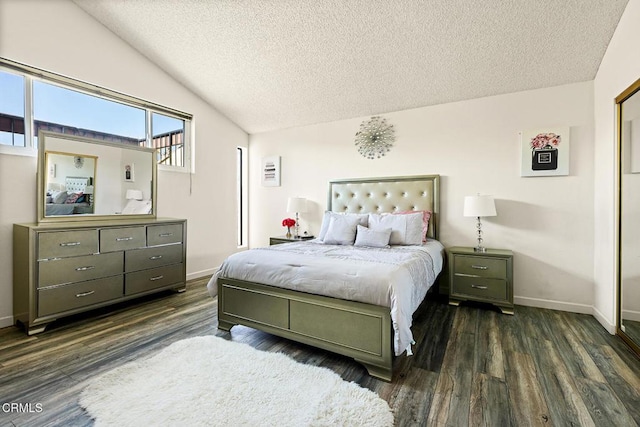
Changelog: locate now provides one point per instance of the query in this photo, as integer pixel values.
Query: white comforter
(397, 277)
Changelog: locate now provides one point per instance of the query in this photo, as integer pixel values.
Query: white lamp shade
(134, 195)
(297, 204)
(479, 206)
(88, 189)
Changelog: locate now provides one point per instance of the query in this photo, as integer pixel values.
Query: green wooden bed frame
(353, 329)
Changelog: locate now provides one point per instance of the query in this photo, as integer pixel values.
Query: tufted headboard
(76, 184)
(389, 194)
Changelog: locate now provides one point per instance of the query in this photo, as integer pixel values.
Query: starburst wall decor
(375, 137)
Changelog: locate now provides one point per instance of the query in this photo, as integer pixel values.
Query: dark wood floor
(472, 366)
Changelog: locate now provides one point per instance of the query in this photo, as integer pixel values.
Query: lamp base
(480, 249)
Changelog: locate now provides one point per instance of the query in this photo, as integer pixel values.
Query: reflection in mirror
(70, 184)
(629, 220)
(96, 179)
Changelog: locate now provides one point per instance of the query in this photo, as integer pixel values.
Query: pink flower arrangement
(288, 222)
(545, 140)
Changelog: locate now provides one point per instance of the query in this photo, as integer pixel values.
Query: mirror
(81, 178)
(628, 109)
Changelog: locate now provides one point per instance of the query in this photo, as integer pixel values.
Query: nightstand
(285, 239)
(481, 276)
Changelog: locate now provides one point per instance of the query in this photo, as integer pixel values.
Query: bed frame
(358, 330)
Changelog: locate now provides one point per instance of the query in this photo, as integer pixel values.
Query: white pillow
(406, 229)
(362, 220)
(373, 238)
(341, 231)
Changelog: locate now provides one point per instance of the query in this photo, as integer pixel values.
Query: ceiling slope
(276, 64)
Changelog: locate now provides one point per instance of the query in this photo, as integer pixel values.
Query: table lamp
(297, 205)
(479, 206)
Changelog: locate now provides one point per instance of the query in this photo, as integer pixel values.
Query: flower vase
(544, 159)
(288, 235)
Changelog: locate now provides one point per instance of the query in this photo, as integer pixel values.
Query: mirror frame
(626, 94)
(42, 175)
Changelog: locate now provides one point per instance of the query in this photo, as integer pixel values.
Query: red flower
(288, 222)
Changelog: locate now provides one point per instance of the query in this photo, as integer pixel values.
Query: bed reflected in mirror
(84, 178)
(70, 183)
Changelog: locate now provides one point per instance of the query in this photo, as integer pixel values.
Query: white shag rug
(209, 381)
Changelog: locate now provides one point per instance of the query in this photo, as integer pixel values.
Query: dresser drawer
(60, 244)
(146, 280)
(480, 266)
(164, 234)
(119, 239)
(77, 269)
(77, 295)
(479, 288)
(142, 259)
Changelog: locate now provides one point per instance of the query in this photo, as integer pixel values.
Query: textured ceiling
(277, 64)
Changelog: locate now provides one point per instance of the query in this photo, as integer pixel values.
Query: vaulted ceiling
(282, 63)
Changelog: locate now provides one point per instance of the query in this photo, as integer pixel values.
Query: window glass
(167, 137)
(68, 111)
(12, 109)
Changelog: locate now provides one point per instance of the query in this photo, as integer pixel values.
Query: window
(12, 109)
(167, 137)
(241, 185)
(68, 111)
(64, 105)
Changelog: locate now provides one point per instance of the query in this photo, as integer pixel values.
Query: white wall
(58, 36)
(620, 67)
(475, 147)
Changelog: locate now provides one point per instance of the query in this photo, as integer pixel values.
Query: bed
(280, 293)
(70, 198)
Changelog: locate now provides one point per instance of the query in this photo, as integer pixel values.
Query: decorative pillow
(81, 199)
(60, 198)
(373, 238)
(426, 216)
(406, 229)
(362, 220)
(341, 231)
(73, 198)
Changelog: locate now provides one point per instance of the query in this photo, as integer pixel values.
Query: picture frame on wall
(270, 171)
(129, 172)
(545, 151)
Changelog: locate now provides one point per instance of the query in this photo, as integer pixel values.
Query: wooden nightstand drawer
(481, 267)
(492, 289)
(481, 276)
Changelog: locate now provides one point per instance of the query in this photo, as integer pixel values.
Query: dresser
(481, 276)
(66, 268)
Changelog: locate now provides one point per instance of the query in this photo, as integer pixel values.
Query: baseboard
(567, 306)
(6, 321)
(202, 273)
(602, 319)
(631, 315)
(554, 305)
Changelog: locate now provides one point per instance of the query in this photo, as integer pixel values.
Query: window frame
(30, 73)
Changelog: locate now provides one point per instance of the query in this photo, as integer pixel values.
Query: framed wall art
(545, 151)
(270, 171)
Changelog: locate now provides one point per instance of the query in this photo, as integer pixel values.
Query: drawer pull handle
(85, 294)
(155, 257)
(479, 287)
(165, 234)
(156, 278)
(123, 239)
(89, 267)
(69, 244)
(479, 267)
